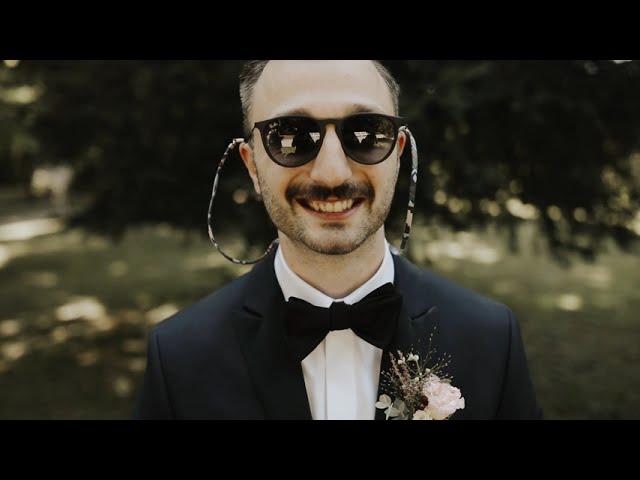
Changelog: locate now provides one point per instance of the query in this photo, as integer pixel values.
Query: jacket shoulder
(194, 362)
(205, 320)
(460, 305)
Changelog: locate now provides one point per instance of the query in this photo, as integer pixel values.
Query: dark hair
(251, 71)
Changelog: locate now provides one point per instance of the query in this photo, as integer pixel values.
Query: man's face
(323, 89)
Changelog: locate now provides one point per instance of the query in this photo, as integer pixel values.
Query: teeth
(331, 207)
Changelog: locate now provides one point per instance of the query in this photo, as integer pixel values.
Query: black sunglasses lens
(369, 139)
(292, 141)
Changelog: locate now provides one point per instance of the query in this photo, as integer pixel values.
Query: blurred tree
(500, 141)
(513, 140)
(18, 146)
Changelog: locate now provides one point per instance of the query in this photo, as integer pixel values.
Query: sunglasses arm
(412, 189)
(234, 143)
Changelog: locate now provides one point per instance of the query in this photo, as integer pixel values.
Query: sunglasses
(292, 141)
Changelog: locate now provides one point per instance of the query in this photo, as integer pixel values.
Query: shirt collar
(294, 286)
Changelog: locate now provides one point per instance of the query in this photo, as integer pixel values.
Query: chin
(332, 246)
(333, 249)
(340, 249)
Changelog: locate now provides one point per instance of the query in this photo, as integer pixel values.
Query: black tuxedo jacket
(225, 358)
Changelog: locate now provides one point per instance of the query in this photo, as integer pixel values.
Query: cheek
(383, 177)
(276, 179)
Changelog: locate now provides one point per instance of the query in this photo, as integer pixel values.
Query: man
(289, 340)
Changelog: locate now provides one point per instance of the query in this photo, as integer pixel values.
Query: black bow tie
(374, 319)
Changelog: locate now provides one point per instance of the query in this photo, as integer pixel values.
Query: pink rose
(444, 399)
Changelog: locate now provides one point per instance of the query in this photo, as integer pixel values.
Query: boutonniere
(415, 392)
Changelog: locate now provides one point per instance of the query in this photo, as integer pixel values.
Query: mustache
(321, 193)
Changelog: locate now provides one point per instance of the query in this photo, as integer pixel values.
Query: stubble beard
(341, 242)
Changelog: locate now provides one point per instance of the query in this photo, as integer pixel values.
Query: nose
(331, 167)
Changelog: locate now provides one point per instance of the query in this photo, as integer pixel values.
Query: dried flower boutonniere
(418, 392)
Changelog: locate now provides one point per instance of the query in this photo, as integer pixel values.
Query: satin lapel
(417, 320)
(276, 376)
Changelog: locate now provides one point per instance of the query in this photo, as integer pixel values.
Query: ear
(402, 141)
(246, 153)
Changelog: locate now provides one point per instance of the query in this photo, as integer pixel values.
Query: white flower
(399, 407)
(413, 358)
(392, 409)
(383, 402)
(422, 415)
(444, 399)
(401, 358)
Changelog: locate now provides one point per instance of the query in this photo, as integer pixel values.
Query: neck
(335, 275)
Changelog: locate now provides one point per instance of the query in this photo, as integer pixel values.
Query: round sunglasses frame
(398, 123)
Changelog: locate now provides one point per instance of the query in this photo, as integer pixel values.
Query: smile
(333, 209)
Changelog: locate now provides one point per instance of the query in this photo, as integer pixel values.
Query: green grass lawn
(75, 310)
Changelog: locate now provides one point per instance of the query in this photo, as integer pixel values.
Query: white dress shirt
(341, 374)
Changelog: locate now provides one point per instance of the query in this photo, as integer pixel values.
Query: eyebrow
(351, 109)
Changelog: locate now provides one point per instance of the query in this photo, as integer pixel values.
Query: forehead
(321, 88)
